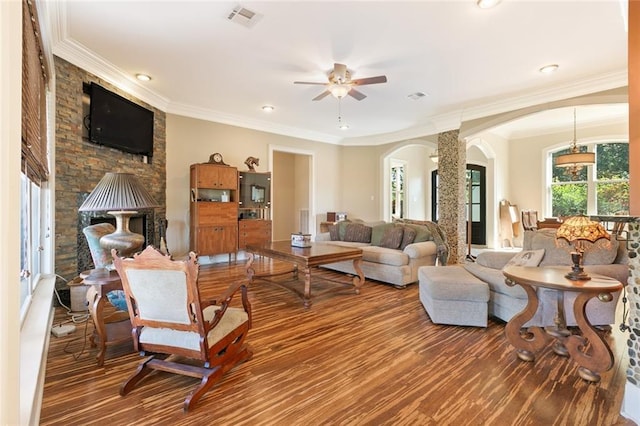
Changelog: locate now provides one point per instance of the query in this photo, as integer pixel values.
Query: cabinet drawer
(211, 213)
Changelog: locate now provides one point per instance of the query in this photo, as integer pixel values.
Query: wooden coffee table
(589, 350)
(305, 259)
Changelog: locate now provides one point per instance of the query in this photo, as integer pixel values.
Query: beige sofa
(391, 252)
(603, 257)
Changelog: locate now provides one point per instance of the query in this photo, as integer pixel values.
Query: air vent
(417, 95)
(244, 16)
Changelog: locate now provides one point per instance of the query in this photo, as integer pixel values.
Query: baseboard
(630, 407)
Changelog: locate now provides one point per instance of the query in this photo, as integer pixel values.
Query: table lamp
(120, 194)
(576, 230)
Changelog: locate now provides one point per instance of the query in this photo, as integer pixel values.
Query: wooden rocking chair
(171, 322)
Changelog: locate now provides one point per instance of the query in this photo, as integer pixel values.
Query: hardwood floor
(368, 359)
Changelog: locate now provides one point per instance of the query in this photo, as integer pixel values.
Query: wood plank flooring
(368, 359)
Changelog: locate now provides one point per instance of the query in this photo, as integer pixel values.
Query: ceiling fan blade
(321, 95)
(369, 80)
(340, 72)
(309, 82)
(355, 94)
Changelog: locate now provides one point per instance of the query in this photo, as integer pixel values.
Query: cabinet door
(216, 239)
(217, 177)
(213, 213)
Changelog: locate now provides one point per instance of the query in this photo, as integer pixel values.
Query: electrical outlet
(63, 329)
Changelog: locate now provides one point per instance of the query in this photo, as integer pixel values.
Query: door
(476, 206)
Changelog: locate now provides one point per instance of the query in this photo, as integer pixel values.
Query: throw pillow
(392, 237)
(357, 232)
(408, 237)
(527, 258)
(334, 232)
(337, 230)
(378, 231)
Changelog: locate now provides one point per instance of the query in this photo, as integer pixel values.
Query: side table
(590, 350)
(108, 331)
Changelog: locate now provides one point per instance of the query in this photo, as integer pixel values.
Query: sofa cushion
(384, 255)
(357, 232)
(408, 237)
(558, 251)
(527, 258)
(392, 237)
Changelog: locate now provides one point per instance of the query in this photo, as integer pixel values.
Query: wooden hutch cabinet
(214, 209)
(254, 209)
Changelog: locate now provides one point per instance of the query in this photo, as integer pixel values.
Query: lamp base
(577, 276)
(577, 272)
(123, 240)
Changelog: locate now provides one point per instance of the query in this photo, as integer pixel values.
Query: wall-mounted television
(119, 123)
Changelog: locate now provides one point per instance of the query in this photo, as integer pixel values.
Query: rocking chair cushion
(232, 318)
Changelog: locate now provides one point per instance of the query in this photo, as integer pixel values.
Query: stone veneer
(80, 164)
(633, 296)
(451, 189)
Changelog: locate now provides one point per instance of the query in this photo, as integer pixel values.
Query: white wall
(191, 141)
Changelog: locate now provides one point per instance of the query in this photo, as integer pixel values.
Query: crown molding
(263, 126)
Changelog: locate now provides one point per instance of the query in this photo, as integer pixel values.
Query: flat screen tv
(119, 123)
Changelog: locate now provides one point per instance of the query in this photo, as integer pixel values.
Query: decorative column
(451, 192)
(633, 296)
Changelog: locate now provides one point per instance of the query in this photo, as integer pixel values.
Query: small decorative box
(301, 240)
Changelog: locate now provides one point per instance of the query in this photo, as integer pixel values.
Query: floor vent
(244, 16)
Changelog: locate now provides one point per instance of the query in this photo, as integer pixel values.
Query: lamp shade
(581, 228)
(576, 159)
(118, 191)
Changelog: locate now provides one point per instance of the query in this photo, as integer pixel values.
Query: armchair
(170, 321)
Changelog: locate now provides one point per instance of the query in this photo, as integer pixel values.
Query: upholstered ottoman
(451, 295)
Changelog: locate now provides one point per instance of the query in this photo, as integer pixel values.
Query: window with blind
(34, 85)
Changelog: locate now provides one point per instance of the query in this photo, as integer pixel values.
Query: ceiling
(469, 62)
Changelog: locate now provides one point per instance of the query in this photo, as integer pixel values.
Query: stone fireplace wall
(80, 164)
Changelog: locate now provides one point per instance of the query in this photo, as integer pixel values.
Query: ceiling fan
(340, 83)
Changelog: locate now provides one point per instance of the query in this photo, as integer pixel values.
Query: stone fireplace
(80, 164)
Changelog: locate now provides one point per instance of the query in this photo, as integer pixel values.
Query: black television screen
(119, 123)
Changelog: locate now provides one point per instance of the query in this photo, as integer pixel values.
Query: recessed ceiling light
(548, 69)
(487, 4)
(268, 108)
(143, 77)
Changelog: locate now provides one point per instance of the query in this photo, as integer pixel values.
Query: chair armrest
(225, 300)
(494, 259)
(421, 249)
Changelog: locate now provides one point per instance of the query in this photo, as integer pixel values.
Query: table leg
(535, 338)
(248, 267)
(358, 280)
(307, 287)
(96, 308)
(560, 331)
(599, 357)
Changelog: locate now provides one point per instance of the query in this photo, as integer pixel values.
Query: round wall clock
(216, 158)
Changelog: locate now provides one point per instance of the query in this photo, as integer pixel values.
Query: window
(30, 237)
(397, 190)
(601, 189)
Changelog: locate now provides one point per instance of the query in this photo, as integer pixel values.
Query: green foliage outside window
(570, 197)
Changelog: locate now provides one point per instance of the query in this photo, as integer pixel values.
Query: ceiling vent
(244, 16)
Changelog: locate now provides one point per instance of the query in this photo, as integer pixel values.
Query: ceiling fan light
(343, 126)
(339, 90)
